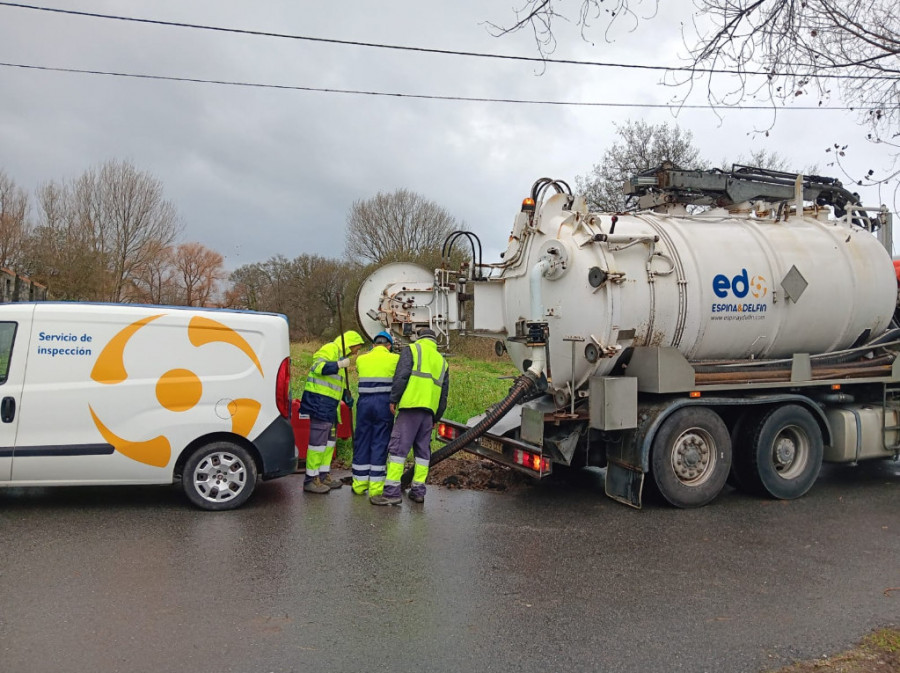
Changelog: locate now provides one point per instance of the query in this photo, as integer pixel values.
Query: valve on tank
(531, 333)
(537, 333)
(597, 276)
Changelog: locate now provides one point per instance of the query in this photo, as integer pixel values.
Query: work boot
(385, 500)
(415, 497)
(315, 486)
(331, 483)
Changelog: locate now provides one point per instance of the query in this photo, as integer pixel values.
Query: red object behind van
(300, 426)
(345, 424)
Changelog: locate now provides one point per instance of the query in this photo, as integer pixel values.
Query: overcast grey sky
(256, 172)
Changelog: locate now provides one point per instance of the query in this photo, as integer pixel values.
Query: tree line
(110, 235)
(317, 294)
(107, 235)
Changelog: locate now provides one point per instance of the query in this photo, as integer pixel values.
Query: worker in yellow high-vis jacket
(326, 386)
(419, 398)
(374, 419)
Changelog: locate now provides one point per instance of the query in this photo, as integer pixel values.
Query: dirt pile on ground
(470, 472)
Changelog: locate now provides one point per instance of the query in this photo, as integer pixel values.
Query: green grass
(876, 653)
(475, 384)
(884, 639)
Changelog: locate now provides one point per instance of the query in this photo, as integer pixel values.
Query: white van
(117, 394)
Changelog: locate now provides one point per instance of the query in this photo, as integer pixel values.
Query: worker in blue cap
(419, 397)
(374, 419)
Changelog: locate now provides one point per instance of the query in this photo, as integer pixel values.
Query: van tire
(219, 476)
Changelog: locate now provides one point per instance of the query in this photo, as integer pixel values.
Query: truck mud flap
(624, 483)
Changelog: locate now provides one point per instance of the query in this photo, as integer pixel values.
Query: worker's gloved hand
(343, 363)
(348, 399)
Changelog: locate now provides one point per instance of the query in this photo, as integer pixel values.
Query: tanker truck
(732, 327)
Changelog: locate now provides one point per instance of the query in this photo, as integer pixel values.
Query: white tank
(715, 286)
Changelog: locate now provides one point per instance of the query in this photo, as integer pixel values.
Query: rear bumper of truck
(517, 455)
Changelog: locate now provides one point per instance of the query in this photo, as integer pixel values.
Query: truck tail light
(283, 388)
(532, 461)
(445, 431)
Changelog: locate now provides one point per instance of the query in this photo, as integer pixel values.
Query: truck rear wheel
(691, 457)
(783, 455)
(219, 476)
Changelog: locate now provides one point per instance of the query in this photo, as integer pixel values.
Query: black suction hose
(521, 387)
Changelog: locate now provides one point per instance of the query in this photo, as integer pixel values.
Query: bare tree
(134, 219)
(400, 226)
(13, 224)
(154, 279)
(775, 50)
(305, 289)
(102, 236)
(197, 272)
(791, 49)
(62, 251)
(640, 146)
(249, 288)
(762, 158)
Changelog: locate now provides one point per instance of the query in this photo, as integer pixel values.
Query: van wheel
(219, 476)
(784, 454)
(691, 457)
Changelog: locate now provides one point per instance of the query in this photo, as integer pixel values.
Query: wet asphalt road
(552, 578)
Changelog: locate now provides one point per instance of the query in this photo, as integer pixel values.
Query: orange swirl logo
(759, 288)
(177, 390)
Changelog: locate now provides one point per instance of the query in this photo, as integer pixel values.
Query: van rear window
(7, 334)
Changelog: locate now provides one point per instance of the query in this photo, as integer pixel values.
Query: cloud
(258, 172)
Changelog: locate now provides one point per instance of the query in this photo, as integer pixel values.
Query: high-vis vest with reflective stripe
(376, 370)
(332, 385)
(423, 391)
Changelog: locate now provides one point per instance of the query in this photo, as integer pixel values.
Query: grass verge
(879, 652)
(475, 384)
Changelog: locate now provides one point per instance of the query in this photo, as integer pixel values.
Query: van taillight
(283, 388)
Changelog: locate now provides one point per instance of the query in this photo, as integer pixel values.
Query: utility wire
(360, 92)
(429, 50)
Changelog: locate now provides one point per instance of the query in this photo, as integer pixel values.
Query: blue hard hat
(384, 335)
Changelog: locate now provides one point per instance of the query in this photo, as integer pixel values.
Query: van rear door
(15, 333)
